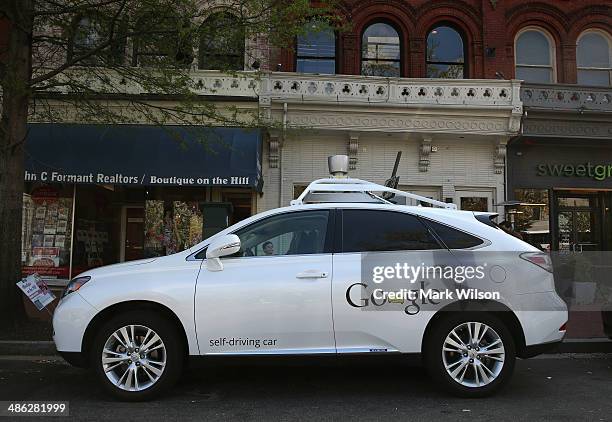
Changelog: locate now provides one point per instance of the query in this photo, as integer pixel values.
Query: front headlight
(75, 284)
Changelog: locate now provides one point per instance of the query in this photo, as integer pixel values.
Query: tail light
(541, 259)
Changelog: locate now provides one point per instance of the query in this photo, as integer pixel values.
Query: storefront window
(46, 231)
(114, 223)
(531, 218)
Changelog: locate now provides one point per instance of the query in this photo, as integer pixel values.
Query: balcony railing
(294, 87)
(567, 97)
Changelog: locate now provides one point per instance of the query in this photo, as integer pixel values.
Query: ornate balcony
(363, 103)
(359, 90)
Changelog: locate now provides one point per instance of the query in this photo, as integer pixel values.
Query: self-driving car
(348, 268)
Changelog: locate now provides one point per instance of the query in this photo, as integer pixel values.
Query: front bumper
(70, 320)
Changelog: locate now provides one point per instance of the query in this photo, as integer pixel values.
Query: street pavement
(570, 387)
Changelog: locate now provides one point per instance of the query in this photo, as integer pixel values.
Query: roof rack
(358, 191)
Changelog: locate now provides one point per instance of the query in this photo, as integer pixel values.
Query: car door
(364, 323)
(274, 296)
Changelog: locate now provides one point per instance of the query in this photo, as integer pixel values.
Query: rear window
(454, 238)
(374, 230)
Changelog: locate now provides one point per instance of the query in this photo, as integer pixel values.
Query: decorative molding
(394, 122)
(353, 148)
(424, 151)
(275, 141)
(567, 128)
(499, 162)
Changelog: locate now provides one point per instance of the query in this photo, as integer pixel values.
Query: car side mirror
(222, 246)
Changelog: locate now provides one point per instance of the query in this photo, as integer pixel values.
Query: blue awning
(142, 155)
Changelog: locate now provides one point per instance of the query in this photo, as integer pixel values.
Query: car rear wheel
(470, 355)
(137, 355)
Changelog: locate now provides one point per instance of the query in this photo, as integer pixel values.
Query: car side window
(453, 238)
(294, 233)
(374, 230)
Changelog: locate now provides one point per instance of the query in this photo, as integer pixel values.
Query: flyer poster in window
(62, 212)
(49, 240)
(37, 240)
(40, 212)
(38, 226)
(60, 239)
(49, 228)
(62, 226)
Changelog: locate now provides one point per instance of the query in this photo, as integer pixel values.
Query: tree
(115, 61)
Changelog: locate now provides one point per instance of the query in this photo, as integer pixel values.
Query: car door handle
(311, 274)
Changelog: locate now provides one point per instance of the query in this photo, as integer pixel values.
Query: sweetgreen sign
(588, 169)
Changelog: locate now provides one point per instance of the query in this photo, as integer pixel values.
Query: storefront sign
(559, 164)
(143, 155)
(594, 171)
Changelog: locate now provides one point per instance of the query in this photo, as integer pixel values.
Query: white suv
(291, 281)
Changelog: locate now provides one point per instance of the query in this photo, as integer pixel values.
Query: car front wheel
(470, 355)
(137, 355)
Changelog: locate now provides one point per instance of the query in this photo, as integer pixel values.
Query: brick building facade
(489, 27)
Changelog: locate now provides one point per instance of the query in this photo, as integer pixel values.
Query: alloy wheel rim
(473, 354)
(134, 358)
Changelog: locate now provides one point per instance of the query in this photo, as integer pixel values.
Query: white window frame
(552, 45)
(608, 38)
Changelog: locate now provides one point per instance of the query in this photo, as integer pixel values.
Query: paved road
(563, 388)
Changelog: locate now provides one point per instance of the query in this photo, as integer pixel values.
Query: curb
(27, 348)
(47, 348)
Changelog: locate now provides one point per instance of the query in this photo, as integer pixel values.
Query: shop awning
(143, 155)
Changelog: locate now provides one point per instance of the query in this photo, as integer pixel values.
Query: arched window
(445, 54)
(162, 40)
(88, 35)
(221, 43)
(380, 51)
(534, 57)
(594, 59)
(316, 49)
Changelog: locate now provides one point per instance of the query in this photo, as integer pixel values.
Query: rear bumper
(538, 349)
(543, 317)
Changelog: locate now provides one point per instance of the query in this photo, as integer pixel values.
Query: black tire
(434, 361)
(174, 353)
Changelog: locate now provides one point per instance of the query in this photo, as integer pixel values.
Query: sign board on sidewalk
(36, 290)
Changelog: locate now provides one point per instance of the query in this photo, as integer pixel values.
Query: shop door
(134, 233)
(578, 222)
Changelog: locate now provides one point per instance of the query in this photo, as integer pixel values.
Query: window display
(171, 226)
(46, 236)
